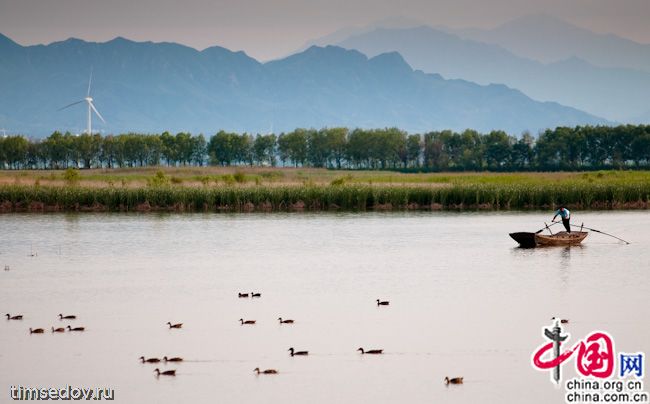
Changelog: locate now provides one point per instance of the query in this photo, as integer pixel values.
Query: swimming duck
(382, 302)
(285, 321)
(253, 294)
(36, 331)
(69, 317)
(174, 359)
(561, 320)
(266, 372)
(150, 360)
(455, 380)
(16, 317)
(60, 329)
(76, 329)
(247, 321)
(243, 295)
(371, 351)
(177, 325)
(165, 373)
(296, 353)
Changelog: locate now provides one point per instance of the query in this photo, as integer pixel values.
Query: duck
(266, 372)
(243, 295)
(36, 331)
(251, 322)
(253, 294)
(174, 359)
(76, 328)
(371, 351)
(165, 373)
(59, 329)
(285, 321)
(177, 325)
(561, 320)
(298, 353)
(455, 380)
(16, 317)
(382, 302)
(150, 360)
(69, 317)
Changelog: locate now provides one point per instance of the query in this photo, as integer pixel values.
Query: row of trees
(563, 148)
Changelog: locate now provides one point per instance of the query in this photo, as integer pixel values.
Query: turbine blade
(97, 112)
(68, 106)
(90, 81)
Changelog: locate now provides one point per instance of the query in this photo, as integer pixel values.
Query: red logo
(594, 354)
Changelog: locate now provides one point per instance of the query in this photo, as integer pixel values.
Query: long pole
(546, 227)
(602, 232)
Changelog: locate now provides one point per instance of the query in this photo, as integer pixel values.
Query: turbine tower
(91, 107)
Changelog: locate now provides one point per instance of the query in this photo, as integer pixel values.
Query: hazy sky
(272, 28)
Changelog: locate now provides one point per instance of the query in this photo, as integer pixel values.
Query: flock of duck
(54, 330)
(176, 326)
(293, 352)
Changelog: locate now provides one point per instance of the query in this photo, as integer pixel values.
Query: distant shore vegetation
(580, 148)
(256, 189)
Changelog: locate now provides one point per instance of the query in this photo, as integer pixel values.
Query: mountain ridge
(569, 82)
(549, 39)
(151, 87)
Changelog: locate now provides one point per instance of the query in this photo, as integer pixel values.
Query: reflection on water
(464, 302)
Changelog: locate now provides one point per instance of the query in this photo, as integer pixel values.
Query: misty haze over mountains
(549, 39)
(578, 77)
(151, 87)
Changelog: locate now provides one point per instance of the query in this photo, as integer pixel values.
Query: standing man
(565, 214)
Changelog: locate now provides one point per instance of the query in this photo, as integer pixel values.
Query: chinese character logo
(631, 364)
(594, 354)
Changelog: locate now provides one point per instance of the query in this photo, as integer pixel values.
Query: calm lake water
(464, 301)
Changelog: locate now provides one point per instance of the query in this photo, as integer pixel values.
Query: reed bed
(349, 197)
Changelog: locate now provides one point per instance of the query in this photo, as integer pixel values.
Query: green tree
(292, 147)
(498, 150)
(15, 151)
(337, 139)
(413, 150)
(264, 149)
(88, 148)
(199, 150)
(522, 152)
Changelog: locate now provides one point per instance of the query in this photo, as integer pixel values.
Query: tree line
(562, 148)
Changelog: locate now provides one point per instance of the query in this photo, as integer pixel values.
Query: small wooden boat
(530, 240)
(562, 238)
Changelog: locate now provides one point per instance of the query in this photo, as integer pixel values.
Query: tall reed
(354, 197)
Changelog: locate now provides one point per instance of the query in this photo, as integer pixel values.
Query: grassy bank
(272, 177)
(350, 196)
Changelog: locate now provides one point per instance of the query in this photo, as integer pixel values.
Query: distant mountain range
(616, 93)
(151, 87)
(549, 39)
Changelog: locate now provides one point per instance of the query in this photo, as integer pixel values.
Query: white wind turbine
(91, 106)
